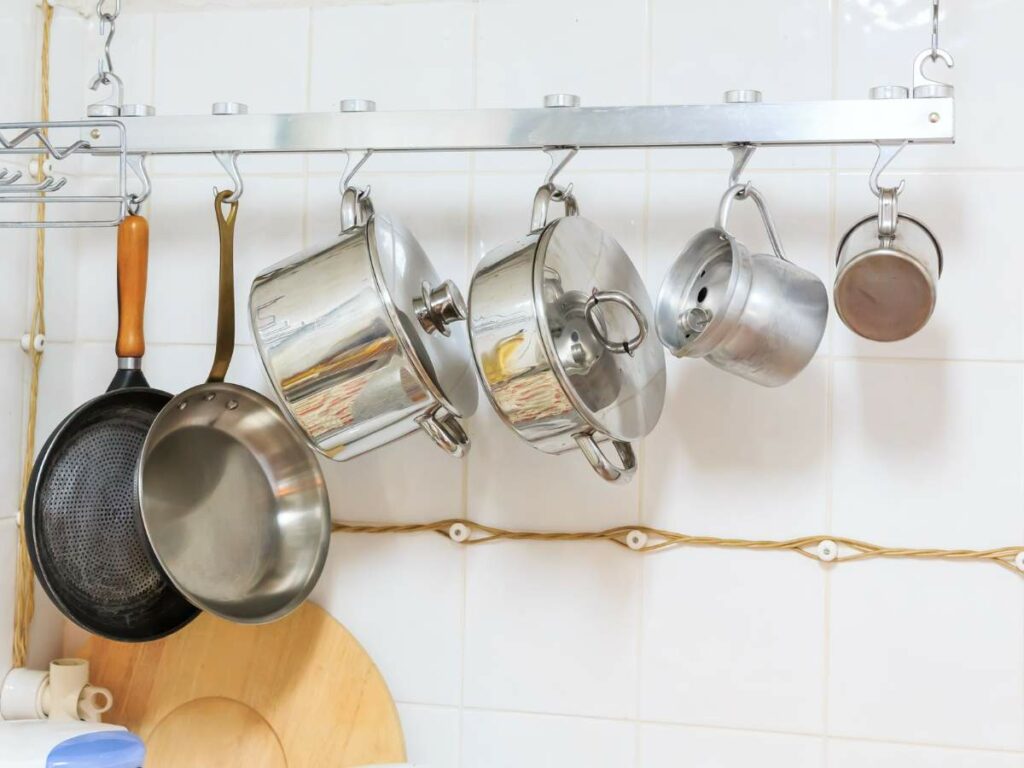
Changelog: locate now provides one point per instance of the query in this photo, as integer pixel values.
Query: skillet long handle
(132, 265)
(226, 290)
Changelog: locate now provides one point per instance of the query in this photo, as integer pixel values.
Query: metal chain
(108, 27)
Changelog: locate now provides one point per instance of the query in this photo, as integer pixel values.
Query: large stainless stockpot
(558, 325)
(357, 338)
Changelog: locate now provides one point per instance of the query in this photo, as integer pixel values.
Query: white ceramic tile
(927, 453)
(13, 369)
(701, 50)
(16, 247)
(927, 652)
(181, 303)
(681, 205)
(8, 553)
(968, 215)
(18, 26)
(735, 459)
(73, 59)
(843, 753)
(56, 389)
(552, 627)
(668, 746)
(512, 740)
(45, 633)
(877, 43)
(61, 282)
(431, 735)
(733, 638)
(260, 59)
(401, 596)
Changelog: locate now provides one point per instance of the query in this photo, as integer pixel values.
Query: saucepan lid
(594, 313)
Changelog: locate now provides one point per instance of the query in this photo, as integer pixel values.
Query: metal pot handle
(741, 192)
(547, 194)
(599, 462)
(356, 207)
(629, 346)
(445, 430)
(888, 214)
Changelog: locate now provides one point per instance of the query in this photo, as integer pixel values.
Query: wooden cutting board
(299, 692)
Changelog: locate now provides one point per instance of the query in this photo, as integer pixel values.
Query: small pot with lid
(757, 315)
(558, 322)
(361, 339)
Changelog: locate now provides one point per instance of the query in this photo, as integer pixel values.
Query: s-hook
(355, 201)
(138, 165)
(886, 154)
(924, 86)
(741, 154)
(229, 161)
(560, 157)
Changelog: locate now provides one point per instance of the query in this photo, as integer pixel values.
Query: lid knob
(438, 307)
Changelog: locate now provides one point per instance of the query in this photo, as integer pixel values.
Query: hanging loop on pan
(356, 207)
(226, 299)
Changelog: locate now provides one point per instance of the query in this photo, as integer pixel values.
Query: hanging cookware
(558, 325)
(233, 502)
(359, 339)
(81, 511)
(888, 269)
(757, 315)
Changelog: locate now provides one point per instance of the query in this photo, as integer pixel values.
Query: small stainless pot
(758, 316)
(358, 339)
(558, 326)
(887, 274)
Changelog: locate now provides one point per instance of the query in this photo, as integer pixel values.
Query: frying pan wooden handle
(132, 263)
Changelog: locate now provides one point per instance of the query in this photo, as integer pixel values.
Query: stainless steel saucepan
(360, 340)
(558, 323)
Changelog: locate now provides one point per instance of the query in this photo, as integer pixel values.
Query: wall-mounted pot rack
(888, 120)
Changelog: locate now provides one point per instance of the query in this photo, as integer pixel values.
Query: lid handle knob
(437, 308)
(628, 346)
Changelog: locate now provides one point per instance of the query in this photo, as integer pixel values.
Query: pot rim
(874, 217)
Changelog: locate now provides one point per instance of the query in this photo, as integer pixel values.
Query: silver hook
(229, 161)
(560, 157)
(138, 165)
(6, 177)
(111, 105)
(352, 167)
(924, 86)
(741, 154)
(886, 154)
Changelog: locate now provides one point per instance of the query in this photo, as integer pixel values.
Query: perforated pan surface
(87, 545)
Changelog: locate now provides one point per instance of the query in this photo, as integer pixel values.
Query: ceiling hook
(111, 105)
(924, 86)
(741, 154)
(560, 157)
(138, 165)
(352, 166)
(886, 154)
(229, 161)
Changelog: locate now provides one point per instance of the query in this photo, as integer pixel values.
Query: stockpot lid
(427, 313)
(594, 313)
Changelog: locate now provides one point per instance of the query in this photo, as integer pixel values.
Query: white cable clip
(636, 540)
(827, 550)
(30, 342)
(1019, 561)
(459, 532)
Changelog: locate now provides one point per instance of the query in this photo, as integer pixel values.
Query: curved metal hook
(741, 154)
(6, 177)
(924, 86)
(886, 154)
(116, 97)
(352, 167)
(560, 157)
(229, 161)
(138, 165)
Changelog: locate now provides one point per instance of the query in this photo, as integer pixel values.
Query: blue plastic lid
(108, 749)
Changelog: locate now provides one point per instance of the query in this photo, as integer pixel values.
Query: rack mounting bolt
(358, 105)
(458, 532)
(745, 96)
(561, 100)
(230, 108)
(95, 134)
(828, 550)
(934, 117)
(882, 92)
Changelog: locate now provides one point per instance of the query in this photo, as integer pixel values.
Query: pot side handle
(600, 463)
(446, 432)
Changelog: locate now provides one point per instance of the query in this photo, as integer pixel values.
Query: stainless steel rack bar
(862, 121)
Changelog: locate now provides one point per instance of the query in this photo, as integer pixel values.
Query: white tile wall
(584, 654)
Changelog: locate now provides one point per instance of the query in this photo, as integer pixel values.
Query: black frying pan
(81, 509)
